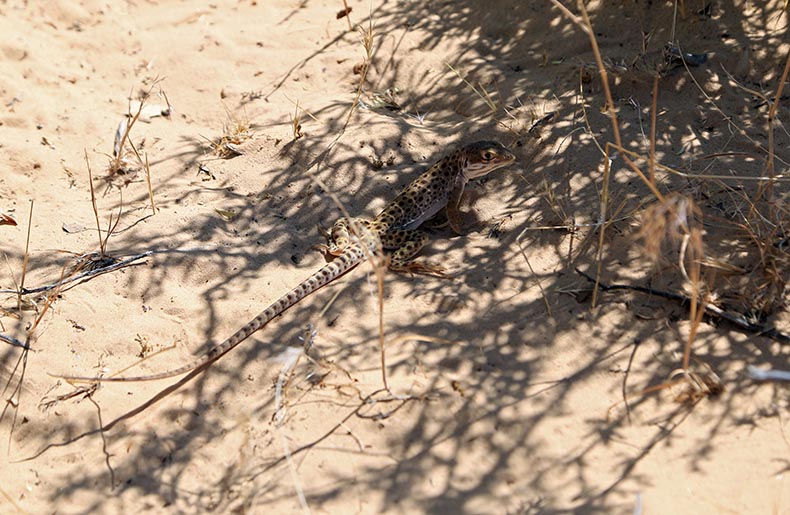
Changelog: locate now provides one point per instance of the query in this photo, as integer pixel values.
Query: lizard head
(483, 157)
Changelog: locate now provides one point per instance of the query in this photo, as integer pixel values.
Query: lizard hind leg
(406, 245)
(340, 236)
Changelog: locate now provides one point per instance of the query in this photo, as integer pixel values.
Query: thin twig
(150, 188)
(380, 270)
(103, 441)
(25, 260)
(11, 501)
(93, 201)
(735, 318)
(102, 270)
(771, 118)
(653, 119)
(13, 341)
(290, 360)
(47, 303)
(534, 275)
(348, 15)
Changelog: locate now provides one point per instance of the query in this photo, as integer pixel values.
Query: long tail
(353, 255)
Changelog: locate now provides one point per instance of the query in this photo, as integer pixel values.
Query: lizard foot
(332, 250)
(414, 267)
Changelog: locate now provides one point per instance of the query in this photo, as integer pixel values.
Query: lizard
(351, 241)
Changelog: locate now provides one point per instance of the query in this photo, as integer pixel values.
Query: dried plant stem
(282, 379)
(534, 275)
(575, 19)
(380, 269)
(348, 15)
(147, 168)
(696, 310)
(697, 305)
(367, 43)
(653, 119)
(13, 341)
(484, 95)
(12, 391)
(730, 118)
(379, 265)
(93, 202)
(377, 259)
(150, 189)
(586, 24)
(734, 318)
(132, 121)
(25, 259)
(771, 121)
(103, 270)
(11, 501)
(678, 173)
(51, 296)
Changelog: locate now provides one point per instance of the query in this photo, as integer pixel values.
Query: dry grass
(296, 119)
(126, 161)
(296, 124)
(110, 225)
(479, 90)
(672, 229)
(235, 130)
(12, 390)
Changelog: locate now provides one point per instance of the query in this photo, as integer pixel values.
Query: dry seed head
(673, 220)
(366, 37)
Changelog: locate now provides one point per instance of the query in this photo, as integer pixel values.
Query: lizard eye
(487, 155)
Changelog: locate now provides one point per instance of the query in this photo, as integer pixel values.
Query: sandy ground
(507, 399)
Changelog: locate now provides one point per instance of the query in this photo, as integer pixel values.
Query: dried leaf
(119, 132)
(73, 228)
(227, 215)
(6, 220)
(149, 110)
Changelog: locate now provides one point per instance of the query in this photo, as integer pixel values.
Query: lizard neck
(425, 196)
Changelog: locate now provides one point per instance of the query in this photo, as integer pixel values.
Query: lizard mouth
(474, 170)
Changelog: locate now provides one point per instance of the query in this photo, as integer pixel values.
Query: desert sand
(507, 384)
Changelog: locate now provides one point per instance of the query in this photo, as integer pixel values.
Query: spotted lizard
(351, 241)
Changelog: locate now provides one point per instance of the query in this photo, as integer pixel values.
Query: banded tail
(351, 256)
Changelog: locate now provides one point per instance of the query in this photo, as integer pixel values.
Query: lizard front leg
(406, 245)
(453, 205)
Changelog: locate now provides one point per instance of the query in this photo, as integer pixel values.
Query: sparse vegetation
(235, 130)
(617, 313)
(673, 224)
